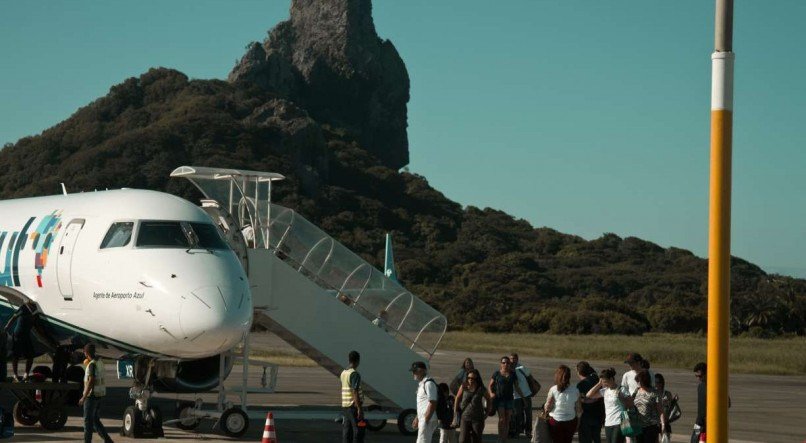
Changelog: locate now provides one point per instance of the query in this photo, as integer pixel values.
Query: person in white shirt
(563, 405)
(636, 364)
(427, 394)
(616, 398)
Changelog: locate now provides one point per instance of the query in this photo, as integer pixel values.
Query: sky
(585, 116)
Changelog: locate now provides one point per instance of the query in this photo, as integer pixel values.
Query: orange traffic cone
(269, 436)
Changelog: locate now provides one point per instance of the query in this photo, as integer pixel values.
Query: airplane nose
(214, 317)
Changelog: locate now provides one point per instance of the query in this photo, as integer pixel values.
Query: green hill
(485, 269)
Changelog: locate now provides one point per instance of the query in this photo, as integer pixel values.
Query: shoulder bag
(534, 386)
(630, 422)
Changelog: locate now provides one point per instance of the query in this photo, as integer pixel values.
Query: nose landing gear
(142, 419)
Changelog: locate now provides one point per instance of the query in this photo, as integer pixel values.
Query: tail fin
(389, 261)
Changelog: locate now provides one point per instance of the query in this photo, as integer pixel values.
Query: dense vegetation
(485, 269)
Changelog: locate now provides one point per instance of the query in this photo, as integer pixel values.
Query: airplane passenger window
(119, 235)
(208, 235)
(162, 234)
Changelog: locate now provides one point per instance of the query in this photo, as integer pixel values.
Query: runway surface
(764, 408)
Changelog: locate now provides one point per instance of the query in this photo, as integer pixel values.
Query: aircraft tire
(405, 421)
(186, 424)
(25, 413)
(375, 425)
(132, 423)
(53, 418)
(234, 422)
(155, 421)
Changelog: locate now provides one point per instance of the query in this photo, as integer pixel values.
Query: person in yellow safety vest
(94, 392)
(352, 402)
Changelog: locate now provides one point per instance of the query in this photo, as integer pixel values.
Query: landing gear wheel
(25, 413)
(405, 422)
(234, 422)
(153, 421)
(132, 423)
(53, 418)
(375, 425)
(186, 421)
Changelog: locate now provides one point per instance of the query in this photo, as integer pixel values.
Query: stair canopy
(245, 197)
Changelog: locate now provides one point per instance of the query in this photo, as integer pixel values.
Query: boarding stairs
(316, 294)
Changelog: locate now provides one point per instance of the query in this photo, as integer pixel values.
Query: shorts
(506, 404)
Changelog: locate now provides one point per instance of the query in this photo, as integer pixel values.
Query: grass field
(784, 356)
(283, 358)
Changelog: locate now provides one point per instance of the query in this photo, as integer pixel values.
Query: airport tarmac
(764, 408)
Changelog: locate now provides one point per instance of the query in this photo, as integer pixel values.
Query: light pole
(716, 425)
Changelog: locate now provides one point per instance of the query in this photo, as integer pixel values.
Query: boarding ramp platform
(315, 293)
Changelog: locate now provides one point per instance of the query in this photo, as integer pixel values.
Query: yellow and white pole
(716, 425)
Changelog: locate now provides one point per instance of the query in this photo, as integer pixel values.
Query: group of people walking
(508, 394)
(636, 408)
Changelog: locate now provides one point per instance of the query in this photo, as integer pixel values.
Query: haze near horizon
(587, 118)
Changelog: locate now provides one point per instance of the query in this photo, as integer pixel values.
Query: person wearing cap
(427, 394)
(352, 399)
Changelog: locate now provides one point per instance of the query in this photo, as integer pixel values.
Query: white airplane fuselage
(169, 291)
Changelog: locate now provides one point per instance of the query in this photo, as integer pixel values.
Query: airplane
(144, 275)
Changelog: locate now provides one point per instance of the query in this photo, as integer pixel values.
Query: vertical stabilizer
(389, 260)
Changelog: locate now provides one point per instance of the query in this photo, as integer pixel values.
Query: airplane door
(65, 260)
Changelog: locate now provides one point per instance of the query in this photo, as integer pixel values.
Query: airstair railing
(246, 195)
(366, 281)
(373, 295)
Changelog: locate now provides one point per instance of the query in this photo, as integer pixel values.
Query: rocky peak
(329, 60)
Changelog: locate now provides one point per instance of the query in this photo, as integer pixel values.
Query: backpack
(444, 410)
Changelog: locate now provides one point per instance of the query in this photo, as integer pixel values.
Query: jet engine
(184, 376)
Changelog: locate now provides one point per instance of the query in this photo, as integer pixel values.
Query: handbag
(540, 432)
(630, 423)
(534, 385)
(675, 412)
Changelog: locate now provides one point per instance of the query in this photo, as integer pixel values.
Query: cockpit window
(175, 234)
(118, 236)
(208, 236)
(162, 234)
